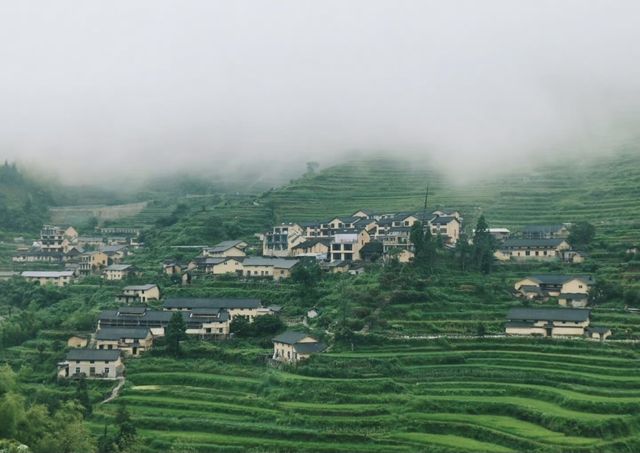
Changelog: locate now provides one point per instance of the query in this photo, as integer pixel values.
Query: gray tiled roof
(116, 333)
(548, 314)
(193, 303)
(290, 337)
(93, 354)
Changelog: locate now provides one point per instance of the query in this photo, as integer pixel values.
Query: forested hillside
(23, 202)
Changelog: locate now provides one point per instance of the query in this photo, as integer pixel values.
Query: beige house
(118, 271)
(57, 278)
(291, 347)
(116, 253)
(223, 266)
(447, 227)
(202, 322)
(171, 268)
(57, 238)
(130, 340)
(139, 294)
(77, 342)
(571, 290)
(93, 262)
(532, 249)
(547, 322)
(250, 308)
(281, 239)
(276, 268)
(91, 363)
(598, 333)
(347, 243)
(226, 249)
(316, 247)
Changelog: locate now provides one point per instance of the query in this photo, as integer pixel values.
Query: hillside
(604, 191)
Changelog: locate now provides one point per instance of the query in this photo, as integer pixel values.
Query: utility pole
(426, 201)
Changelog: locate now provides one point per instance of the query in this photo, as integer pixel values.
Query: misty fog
(94, 90)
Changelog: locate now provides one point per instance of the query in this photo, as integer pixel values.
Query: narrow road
(116, 390)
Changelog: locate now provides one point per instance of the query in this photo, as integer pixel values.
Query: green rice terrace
(427, 368)
(491, 395)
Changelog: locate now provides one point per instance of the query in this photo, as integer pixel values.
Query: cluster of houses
(362, 236)
(130, 330)
(554, 322)
(230, 257)
(536, 242)
(571, 290)
(79, 255)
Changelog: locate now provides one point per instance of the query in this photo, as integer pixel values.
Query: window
(527, 253)
(106, 371)
(92, 371)
(78, 370)
(220, 330)
(92, 361)
(348, 246)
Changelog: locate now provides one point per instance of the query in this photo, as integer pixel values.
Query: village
(341, 245)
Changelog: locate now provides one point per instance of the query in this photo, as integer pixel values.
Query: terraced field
(491, 395)
(601, 190)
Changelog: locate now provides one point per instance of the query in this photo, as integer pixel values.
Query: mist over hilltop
(96, 91)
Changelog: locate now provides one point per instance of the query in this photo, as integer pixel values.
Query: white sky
(91, 86)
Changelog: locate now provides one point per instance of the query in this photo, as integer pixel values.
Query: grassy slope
(604, 191)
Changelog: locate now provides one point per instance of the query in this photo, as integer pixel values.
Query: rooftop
(549, 314)
(208, 303)
(47, 274)
(116, 333)
(93, 354)
(290, 337)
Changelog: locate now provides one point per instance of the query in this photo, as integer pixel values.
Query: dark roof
(289, 337)
(93, 354)
(530, 289)
(548, 314)
(205, 311)
(311, 242)
(116, 333)
(573, 295)
(224, 246)
(532, 242)
(559, 279)
(599, 330)
(140, 287)
(309, 348)
(443, 220)
(132, 310)
(187, 302)
(542, 228)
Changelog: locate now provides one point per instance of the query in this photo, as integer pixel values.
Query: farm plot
(465, 395)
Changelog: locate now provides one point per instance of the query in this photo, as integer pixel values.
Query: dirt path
(116, 390)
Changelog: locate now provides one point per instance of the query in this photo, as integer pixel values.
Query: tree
(463, 252)
(581, 234)
(481, 330)
(267, 325)
(312, 167)
(126, 429)
(175, 332)
(483, 246)
(82, 395)
(241, 326)
(424, 246)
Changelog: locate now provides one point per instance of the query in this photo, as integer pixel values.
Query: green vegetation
(415, 364)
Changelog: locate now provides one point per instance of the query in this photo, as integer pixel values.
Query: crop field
(490, 395)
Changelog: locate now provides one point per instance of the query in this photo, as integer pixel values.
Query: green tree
(425, 246)
(484, 247)
(241, 326)
(267, 325)
(175, 332)
(581, 234)
(126, 429)
(82, 395)
(463, 252)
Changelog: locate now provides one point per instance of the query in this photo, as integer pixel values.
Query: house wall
(126, 345)
(77, 342)
(227, 267)
(56, 281)
(576, 286)
(85, 366)
(526, 331)
(286, 353)
(525, 282)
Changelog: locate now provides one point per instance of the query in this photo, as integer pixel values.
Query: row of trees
(477, 255)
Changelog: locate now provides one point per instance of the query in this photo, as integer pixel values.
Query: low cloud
(94, 90)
